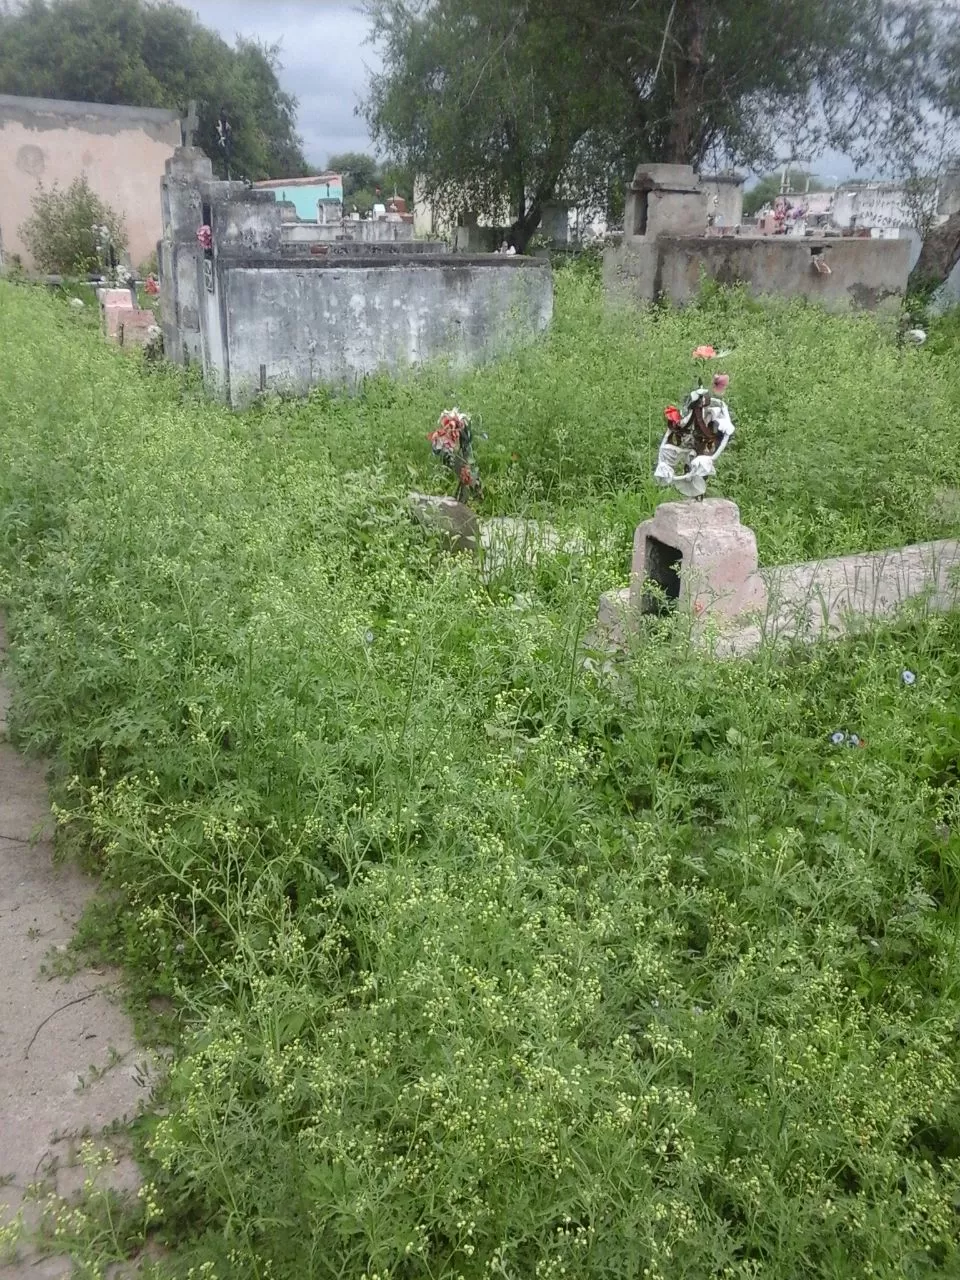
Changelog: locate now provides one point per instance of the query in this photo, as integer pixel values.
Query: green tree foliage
(768, 188)
(359, 170)
(363, 176)
(486, 103)
(496, 102)
(155, 55)
(61, 233)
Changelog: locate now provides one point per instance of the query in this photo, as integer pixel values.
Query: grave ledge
(735, 606)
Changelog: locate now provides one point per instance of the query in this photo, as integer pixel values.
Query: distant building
(315, 199)
(888, 206)
(121, 151)
(435, 223)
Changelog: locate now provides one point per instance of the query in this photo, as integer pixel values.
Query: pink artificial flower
(205, 238)
(151, 286)
(720, 382)
(704, 353)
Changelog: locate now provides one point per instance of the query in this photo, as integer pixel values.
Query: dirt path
(68, 1062)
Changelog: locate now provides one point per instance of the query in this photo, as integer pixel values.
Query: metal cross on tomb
(189, 127)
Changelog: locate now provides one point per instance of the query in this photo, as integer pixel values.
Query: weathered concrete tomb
(666, 253)
(261, 312)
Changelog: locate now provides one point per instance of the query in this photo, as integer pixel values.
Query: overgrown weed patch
(487, 964)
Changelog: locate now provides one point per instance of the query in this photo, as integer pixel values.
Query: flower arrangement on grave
(205, 238)
(696, 434)
(452, 444)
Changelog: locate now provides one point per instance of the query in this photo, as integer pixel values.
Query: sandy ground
(68, 1062)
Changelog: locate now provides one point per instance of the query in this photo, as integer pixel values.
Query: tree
(940, 251)
(485, 102)
(768, 188)
(939, 255)
(504, 101)
(359, 171)
(155, 55)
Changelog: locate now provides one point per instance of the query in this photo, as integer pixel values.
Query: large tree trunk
(525, 226)
(685, 115)
(938, 256)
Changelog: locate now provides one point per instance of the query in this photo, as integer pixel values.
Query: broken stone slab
(453, 520)
(507, 540)
(137, 328)
(703, 562)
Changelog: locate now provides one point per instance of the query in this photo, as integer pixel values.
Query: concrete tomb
(666, 252)
(259, 314)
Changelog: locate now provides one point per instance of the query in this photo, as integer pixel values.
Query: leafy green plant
(62, 233)
(491, 961)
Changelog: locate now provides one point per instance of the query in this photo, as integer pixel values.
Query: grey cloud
(325, 62)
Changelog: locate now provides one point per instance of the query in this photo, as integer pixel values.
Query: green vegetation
(364, 177)
(151, 53)
(488, 964)
(63, 232)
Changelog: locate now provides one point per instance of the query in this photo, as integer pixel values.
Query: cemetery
(665, 252)
(408, 748)
(261, 312)
(479, 785)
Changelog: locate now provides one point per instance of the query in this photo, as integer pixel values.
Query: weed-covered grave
(482, 965)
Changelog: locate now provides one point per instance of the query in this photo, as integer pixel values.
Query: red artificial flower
(704, 353)
(445, 438)
(672, 415)
(466, 479)
(152, 287)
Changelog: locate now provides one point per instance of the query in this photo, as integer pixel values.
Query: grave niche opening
(640, 212)
(662, 569)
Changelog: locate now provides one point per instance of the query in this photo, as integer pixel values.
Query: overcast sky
(325, 60)
(326, 63)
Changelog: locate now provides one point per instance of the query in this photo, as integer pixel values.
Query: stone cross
(190, 126)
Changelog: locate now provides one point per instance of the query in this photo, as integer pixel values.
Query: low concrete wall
(365, 232)
(824, 596)
(290, 325)
(121, 151)
(867, 274)
(383, 250)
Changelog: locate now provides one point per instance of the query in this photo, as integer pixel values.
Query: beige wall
(121, 150)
